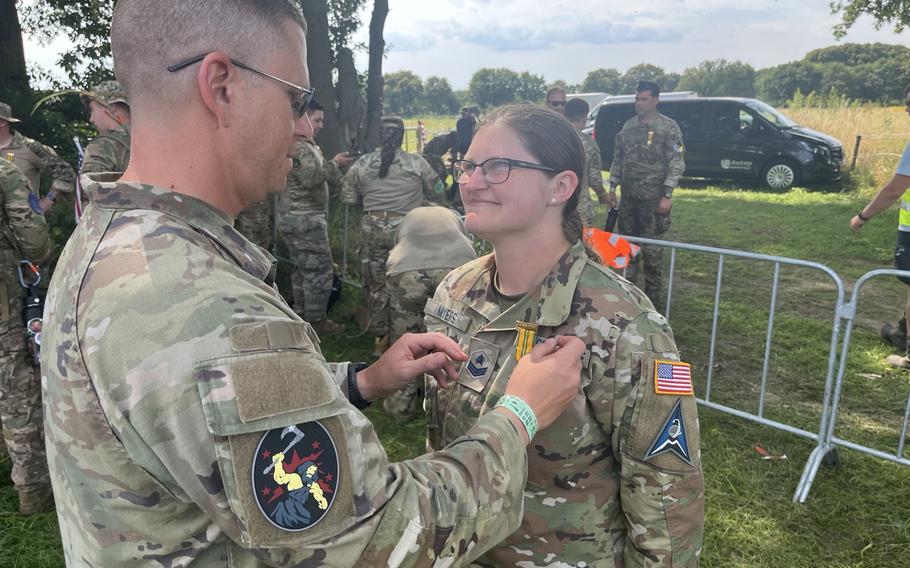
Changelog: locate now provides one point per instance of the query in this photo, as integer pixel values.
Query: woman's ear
(563, 186)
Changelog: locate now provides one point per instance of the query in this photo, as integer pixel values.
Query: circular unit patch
(295, 475)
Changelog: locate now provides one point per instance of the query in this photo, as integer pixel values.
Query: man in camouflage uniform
(255, 223)
(617, 479)
(25, 236)
(303, 220)
(577, 114)
(109, 111)
(431, 241)
(34, 158)
(410, 181)
(647, 163)
(190, 416)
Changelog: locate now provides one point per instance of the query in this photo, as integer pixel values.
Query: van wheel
(780, 174)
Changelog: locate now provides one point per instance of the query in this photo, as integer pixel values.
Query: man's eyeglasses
(556, 104)
(494, 170)
(300, 98)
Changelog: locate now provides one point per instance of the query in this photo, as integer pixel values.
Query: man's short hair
(577, 109)
(650, 86)
(554, 90)
(149, 35)
(314, 106)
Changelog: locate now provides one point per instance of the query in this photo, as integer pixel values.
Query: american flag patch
(672, 377)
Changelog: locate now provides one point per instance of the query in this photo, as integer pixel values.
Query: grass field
(858, 514)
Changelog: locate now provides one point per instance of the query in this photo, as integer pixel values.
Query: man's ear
(217, 84)
(564, 185)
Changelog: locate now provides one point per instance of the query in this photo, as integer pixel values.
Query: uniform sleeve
(101, 156)
(432, 186)
(310, 172)
(676, 163)
(616, 167)
(333, 175)
(50, 162)
(239, 372)
(28, 227)
(594, 166)
(350, 187)
(662, 487)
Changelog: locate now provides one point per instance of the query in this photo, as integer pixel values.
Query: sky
(566, 39)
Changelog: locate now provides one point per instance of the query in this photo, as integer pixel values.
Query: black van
(736, 138)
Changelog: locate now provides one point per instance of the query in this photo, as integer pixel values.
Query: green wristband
(524, 413)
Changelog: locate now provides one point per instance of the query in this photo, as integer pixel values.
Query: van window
(729, 119)
(687, 116)
(771, 114)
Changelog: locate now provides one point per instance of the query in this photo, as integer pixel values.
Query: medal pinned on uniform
(527, 334)
(650, 137)
(10, 156)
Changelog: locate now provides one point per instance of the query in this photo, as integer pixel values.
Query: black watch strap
(354, 395)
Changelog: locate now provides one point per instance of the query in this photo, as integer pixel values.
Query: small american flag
(672, 377)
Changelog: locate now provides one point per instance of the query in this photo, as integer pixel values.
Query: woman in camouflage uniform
(616, 480)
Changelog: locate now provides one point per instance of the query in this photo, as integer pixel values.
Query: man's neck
(6, 138)
(649, 117)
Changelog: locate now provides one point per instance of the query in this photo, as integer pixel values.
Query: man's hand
(856, 224)
(343, 159)
(608, 198)
(664, 206)
(45, 204)
(547, 378)
(412, 355)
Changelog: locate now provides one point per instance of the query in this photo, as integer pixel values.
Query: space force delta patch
(295, 475)
(672, 377)
(672, 437)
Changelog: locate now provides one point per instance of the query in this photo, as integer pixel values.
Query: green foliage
(874, 72)
(438, 96)
(648, 72)
(719, 78)
(603, 81)
(531, 87)
(344, 21)
(403, 93)
(493, 87)
(832, 99)
(892, 12)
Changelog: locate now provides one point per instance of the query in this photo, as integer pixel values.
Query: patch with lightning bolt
(295, 475)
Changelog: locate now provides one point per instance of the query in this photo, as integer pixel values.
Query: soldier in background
(556, 99)
(109, 112)
(430, 242)
(387, 183)
(303, 222)
(255, 223)
(34, 159)
(647, 164)
(24, 237)
(576, 113)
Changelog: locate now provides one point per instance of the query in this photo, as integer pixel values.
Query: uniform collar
(548, 305)
(108, 193)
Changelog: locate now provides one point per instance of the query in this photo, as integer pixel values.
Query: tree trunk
(351, 106)
(13, 75)
(319, 61)
(374, 77)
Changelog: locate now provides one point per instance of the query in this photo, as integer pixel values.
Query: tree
(531, 88)
(319, 61)
(438, 96)
(374, 75)
(603, 81)
(719, 78)
(778, 84)
(493, 87)
(648, 72)
(13, 75)
(891, 12)
(403, 93)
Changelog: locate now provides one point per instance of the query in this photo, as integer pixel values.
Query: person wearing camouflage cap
(387, 183)
(430, 242)
(190, 416)
(23, 236)
(109, 112)
(34, 159)
(617, 480)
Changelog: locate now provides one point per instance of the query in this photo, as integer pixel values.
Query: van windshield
(771, 114)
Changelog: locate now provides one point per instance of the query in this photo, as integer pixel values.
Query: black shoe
(896, 335)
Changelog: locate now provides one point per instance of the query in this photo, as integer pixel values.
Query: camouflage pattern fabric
(592, 179)
(108, 152)
(592, 495)
(34, 159)
(639, 217)
(255, 223)
(410, 182)
(151, 435)
(20, 383)
(378, 239)
(647, 162)
(408, 293)
(302, 213)
(307, 239)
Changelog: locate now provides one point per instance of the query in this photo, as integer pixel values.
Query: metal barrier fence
(759, 417)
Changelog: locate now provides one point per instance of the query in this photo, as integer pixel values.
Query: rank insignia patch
(480, 364)
(672, 377)
(295, 475)
(672, 437)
